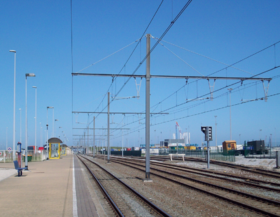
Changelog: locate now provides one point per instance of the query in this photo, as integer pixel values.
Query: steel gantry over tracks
(148, 76)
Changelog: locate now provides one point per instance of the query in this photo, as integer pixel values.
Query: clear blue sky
(224, 30)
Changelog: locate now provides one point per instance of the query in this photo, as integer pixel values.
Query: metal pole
(147, 133)
(6, 138)
(122, 138)
(14, 121)
(20, 125)
(230, 89)
(85, 141)
(270, 143)
(88, 134)
(208, 151)
(108, 130)
(35, 118)
(26, 138)
(47, 125)
(216, 131)
(53, 122)
(93, 148)
(41, 135)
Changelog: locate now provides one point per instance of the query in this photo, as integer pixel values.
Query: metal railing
(199, 154)
(268, 155)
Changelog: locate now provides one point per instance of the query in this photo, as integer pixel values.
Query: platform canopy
(54, 140)
(64, 145)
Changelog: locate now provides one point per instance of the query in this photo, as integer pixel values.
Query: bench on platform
(181, 155)
(17, 168)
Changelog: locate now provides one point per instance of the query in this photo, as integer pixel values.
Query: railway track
(251, 182)
(124, 200)
(250, 201)
(226, 164)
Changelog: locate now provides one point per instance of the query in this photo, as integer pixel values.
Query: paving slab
(6, 173)
(85, 204)
(45, 190)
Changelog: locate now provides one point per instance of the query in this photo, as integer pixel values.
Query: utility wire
(217, 71)
(164, 33)
(202, 55)
(223, 87)
(181, 59)
(129, 56)
(200, 113)
(108, 56)
(208, 94)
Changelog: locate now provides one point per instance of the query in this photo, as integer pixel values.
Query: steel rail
(209, 171)
(160, 211)
(212, 193)
(205, 173)
(244, 168)
(111, 202)
(219, 173)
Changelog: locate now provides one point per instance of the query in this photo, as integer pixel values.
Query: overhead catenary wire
(180, 59)
(204, 112)
(128, 57)
(219, 71)
(224, 87)
(155, 45)
(109, 55)
(202, 55)
(208, 93)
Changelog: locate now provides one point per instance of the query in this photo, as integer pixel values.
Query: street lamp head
(30, 75)
(34, 87)
(56, 119)
(230, 89)
(13, 51)
(50, 107)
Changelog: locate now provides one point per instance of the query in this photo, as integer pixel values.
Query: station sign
(9, 149)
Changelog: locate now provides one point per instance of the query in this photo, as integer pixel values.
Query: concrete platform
(45, 190)
(49, 188)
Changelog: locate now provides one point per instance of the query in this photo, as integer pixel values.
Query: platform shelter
(54, 148)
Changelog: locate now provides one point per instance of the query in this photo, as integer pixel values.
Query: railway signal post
(208, 137)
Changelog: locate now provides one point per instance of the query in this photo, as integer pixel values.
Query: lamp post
(35, 116)
(14, 119)
(26, 135)
(230, 89)
(260, 134)
(41, 141)
(270, 144)
(239, 138)
(54, 126)
(275, 136)
(47, 125)
(6, 139)
(20, 125)
(53, 121)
